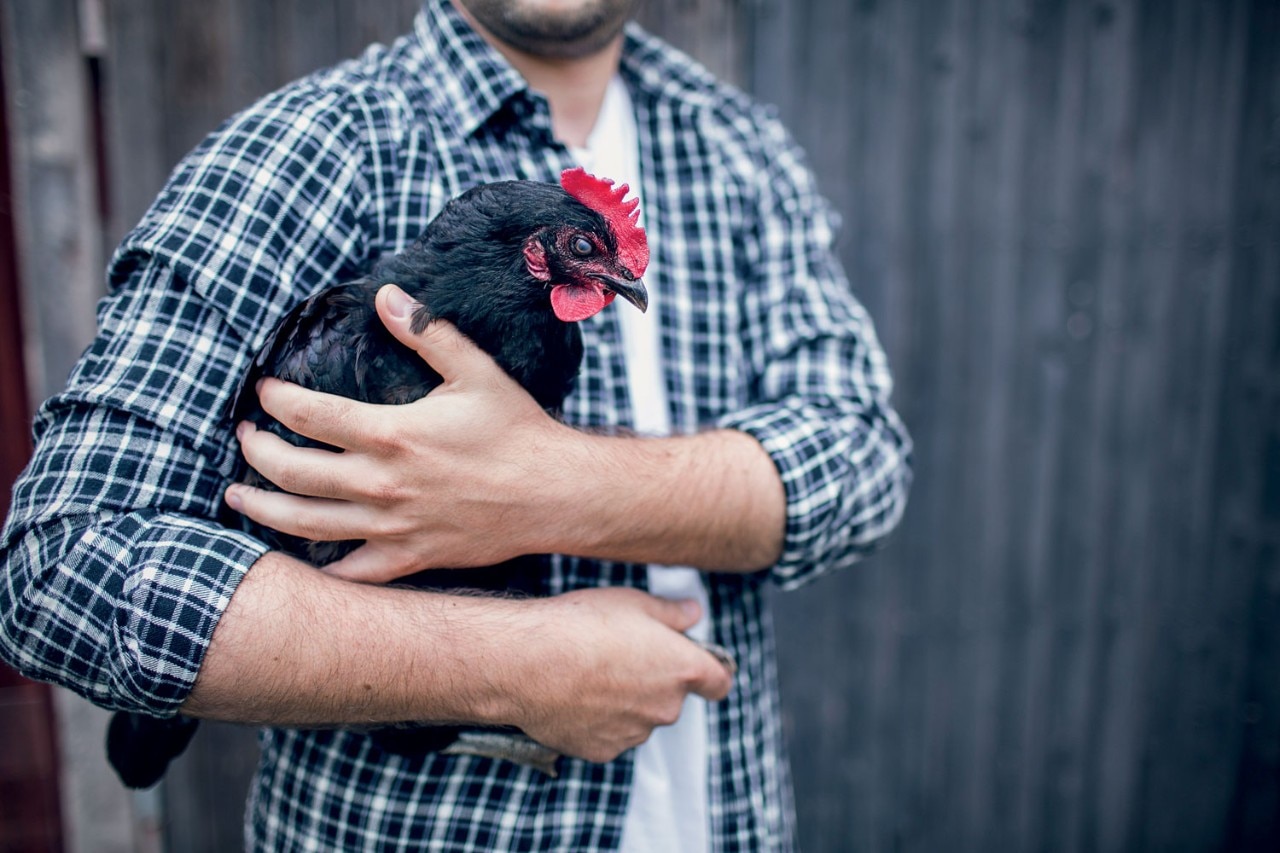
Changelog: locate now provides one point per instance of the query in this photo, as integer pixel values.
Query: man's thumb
(439, 344)
(397, 309)
(679, 615)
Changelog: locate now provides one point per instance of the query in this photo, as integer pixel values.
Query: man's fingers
(716, 679)
(721, 654)
(397, 309)
(301, 470)
(310, 518)
(449, 352)
(369, 564)
(712, 680)
(329, 418)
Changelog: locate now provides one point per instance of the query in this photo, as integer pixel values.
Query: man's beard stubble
(566, 29)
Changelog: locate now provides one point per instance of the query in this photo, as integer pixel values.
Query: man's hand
(448, 481)
(616, 666)
(476, 473)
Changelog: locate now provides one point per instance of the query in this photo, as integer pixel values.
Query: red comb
(622, 216)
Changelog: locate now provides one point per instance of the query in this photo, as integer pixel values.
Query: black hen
(514, 265)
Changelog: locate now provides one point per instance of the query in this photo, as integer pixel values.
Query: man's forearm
(713, 501)
(299, 648)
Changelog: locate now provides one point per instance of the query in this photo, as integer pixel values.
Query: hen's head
(587, 260)
(513, 248)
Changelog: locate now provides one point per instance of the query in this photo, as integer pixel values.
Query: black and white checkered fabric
(119, 560)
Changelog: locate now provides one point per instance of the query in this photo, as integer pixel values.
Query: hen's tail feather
(139, 748)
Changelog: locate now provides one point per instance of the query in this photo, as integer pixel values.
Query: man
(128, 583)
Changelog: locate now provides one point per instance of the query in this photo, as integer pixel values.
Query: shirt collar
(482, 81)
(654, 70)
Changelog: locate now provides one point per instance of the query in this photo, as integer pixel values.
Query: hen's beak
(632, 291)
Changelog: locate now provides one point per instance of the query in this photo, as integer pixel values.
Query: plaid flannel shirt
(120, 558)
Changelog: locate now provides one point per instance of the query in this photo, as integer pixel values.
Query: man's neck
(574, 88)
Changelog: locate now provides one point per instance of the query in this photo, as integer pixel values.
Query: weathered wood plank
(134, 105)
(205, 788)
(59, 249)
(1245, 495)
(712, 31)
(15, 401)
(363, 24)
(54, 187)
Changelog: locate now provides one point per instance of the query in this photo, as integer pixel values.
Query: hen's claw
(721, 654)
(507, 746)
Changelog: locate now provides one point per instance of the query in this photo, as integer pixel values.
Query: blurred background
(1065, 218)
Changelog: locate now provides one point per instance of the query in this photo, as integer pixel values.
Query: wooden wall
(29, 814)
(57, 223)
(1065, 217)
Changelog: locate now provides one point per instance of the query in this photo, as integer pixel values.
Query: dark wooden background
(1065, 217)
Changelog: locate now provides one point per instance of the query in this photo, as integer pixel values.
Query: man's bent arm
(590, 673)
(476, 473)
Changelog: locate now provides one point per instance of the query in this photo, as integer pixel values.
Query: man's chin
(559, 29)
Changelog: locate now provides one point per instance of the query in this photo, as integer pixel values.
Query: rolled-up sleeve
(118, 557)
(820, 381)
(116, 568)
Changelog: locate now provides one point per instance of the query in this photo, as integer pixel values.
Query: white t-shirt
(667, 809)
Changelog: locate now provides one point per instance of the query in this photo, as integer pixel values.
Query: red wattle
(575, 302)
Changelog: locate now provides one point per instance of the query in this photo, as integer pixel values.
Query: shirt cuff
(183, 578)
(845, 476)
(181, 573)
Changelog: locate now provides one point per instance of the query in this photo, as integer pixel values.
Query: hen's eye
(581, 246)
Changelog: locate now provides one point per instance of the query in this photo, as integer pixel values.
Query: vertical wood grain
(1042, 203)
(59, 250)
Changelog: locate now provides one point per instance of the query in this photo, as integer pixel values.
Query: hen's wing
(332, 342)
